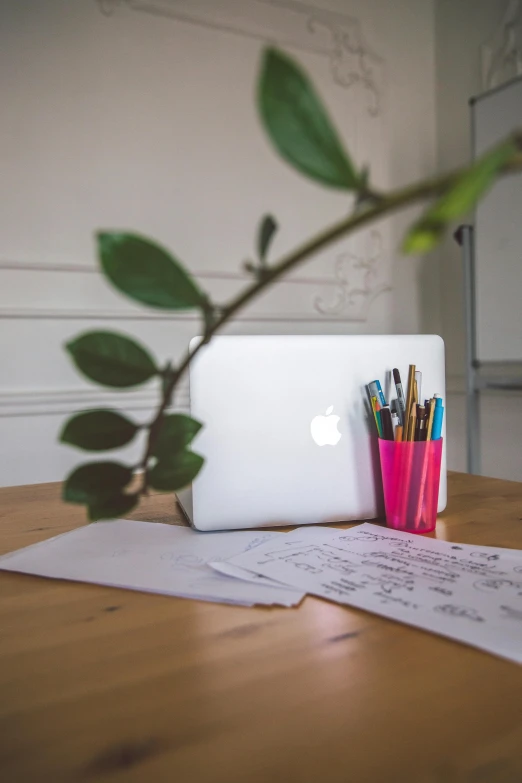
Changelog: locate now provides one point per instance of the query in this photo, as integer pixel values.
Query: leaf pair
(101, 486)
(176, 465)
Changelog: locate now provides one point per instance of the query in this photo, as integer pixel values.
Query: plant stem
(382, 205)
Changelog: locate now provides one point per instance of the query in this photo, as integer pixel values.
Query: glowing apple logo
(324, 429)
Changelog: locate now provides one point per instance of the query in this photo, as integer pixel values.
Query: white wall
(478, 46)
(141, 116)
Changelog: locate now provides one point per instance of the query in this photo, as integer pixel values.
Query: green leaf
(172, 474)
(177, 431)
(98, 430)
(298, 124)
(111, 359)
(423, 237)
(459, 200)
(147, 273)
(112, 507)
(267, 229)
(95, 481)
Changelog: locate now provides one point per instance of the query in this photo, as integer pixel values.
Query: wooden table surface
(99, 684)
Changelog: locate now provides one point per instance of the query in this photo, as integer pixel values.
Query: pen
(395, 422)
(386, 423)
(401, 400)
(420, 432)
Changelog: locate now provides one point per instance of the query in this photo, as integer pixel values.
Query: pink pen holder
(410, 477)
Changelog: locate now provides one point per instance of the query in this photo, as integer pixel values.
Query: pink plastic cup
(410, 477)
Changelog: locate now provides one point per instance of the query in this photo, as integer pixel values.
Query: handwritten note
(471, 594)
(154, 558)
(305, 534)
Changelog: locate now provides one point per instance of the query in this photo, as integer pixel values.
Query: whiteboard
(498, 234)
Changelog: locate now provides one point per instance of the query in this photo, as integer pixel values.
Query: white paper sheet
(305, 533)
(151, 557)
(469, 593)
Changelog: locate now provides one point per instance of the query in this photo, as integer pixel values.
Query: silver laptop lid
(288, 437)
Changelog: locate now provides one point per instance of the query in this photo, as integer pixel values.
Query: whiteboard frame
(479, 375)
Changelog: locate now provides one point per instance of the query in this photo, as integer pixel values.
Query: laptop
(289, 437)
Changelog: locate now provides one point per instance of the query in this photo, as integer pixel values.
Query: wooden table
(99, 684)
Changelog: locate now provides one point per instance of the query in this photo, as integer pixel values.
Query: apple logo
(324, 429)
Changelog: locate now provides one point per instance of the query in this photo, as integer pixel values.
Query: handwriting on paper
(472, 594)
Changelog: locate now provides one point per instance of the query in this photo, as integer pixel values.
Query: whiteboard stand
(479, 376)
(464, 236)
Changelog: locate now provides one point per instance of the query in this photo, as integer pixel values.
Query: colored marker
(376, 408)
(376, 391)
(401, 399)
(386, 423)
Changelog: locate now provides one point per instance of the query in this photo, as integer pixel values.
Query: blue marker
(376, 391)
(436, 430)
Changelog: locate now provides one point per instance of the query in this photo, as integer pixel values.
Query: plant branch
(379, 205)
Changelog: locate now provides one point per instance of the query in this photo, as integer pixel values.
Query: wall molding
(337, 36)
(501, 53)
(85, 314)
(64, 401)
(355, 284)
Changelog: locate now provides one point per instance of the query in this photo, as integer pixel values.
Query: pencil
(412, 421)
(430, 419)
(398, 433)
(409, 400)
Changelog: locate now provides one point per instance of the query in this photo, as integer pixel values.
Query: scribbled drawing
(341, 568)
(511, 614)
(327, 555)
(441, 590)
(370, 537)
(387, 598)
(492, 585)
(256, 542)
(390, 583)
(184, 561)
(284, 554)
(308, 567)
(465, 612)
(457, 547)
(484, 556)
(518, 569)
(188, 560)
(120, 552)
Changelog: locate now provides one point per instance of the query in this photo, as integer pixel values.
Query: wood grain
(99, 684)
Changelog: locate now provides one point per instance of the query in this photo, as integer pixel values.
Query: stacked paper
(155, 558)
(466, 592)
(469, 593)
